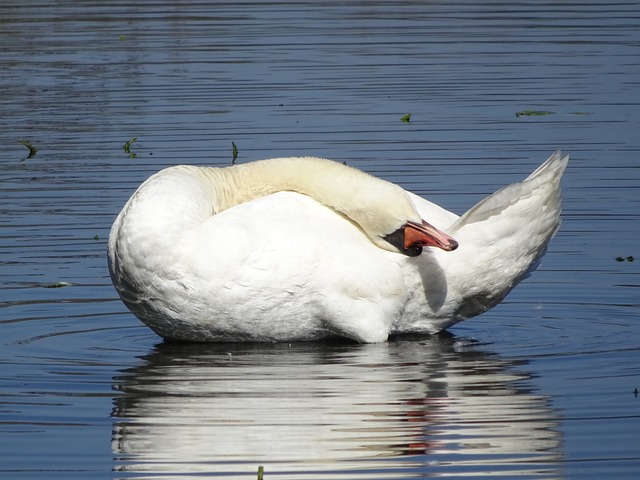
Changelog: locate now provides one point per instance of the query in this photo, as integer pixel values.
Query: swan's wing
(289, 267)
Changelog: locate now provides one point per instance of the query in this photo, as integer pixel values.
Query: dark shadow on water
(433, 405)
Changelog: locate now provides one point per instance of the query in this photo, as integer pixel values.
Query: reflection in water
(409, 407)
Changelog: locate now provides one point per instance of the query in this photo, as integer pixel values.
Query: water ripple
(521, 391)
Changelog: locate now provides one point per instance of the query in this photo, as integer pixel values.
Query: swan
(306, 248)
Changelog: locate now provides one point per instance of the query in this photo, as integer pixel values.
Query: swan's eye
(397, 239)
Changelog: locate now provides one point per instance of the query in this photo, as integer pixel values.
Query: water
(540, 387)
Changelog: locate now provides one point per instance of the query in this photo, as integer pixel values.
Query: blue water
(540, 387)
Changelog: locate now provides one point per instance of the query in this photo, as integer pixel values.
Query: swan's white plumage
(290, 249)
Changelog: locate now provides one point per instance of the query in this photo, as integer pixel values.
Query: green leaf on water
(260, 472)
(533, 113)
(406, 118)
(32, 150)
(234, 152)
(122, 38)
(127, 148)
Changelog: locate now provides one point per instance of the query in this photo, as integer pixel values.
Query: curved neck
(351, 192)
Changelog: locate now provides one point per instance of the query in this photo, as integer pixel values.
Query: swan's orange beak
(426, 235)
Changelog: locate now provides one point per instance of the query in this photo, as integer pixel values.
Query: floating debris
(533, 113)
(58, 285)
(406, 118)
(127, 148)
(96, 237)
(630, 258)
(260, 472)
(32, 150)
(234, 152)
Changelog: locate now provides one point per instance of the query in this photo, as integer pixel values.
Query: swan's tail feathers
(504, 236)
(555, 165)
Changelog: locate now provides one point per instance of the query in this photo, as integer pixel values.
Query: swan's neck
(331, 183)
(366, 200)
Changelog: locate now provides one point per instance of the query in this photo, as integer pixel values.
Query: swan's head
(393, 224)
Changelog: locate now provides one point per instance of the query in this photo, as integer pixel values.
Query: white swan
(306, 248)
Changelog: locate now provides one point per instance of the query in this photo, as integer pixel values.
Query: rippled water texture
(540, 387)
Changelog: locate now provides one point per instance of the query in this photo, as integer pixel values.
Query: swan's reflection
(418, 408)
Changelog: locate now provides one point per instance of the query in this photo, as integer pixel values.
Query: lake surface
(540, 387)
